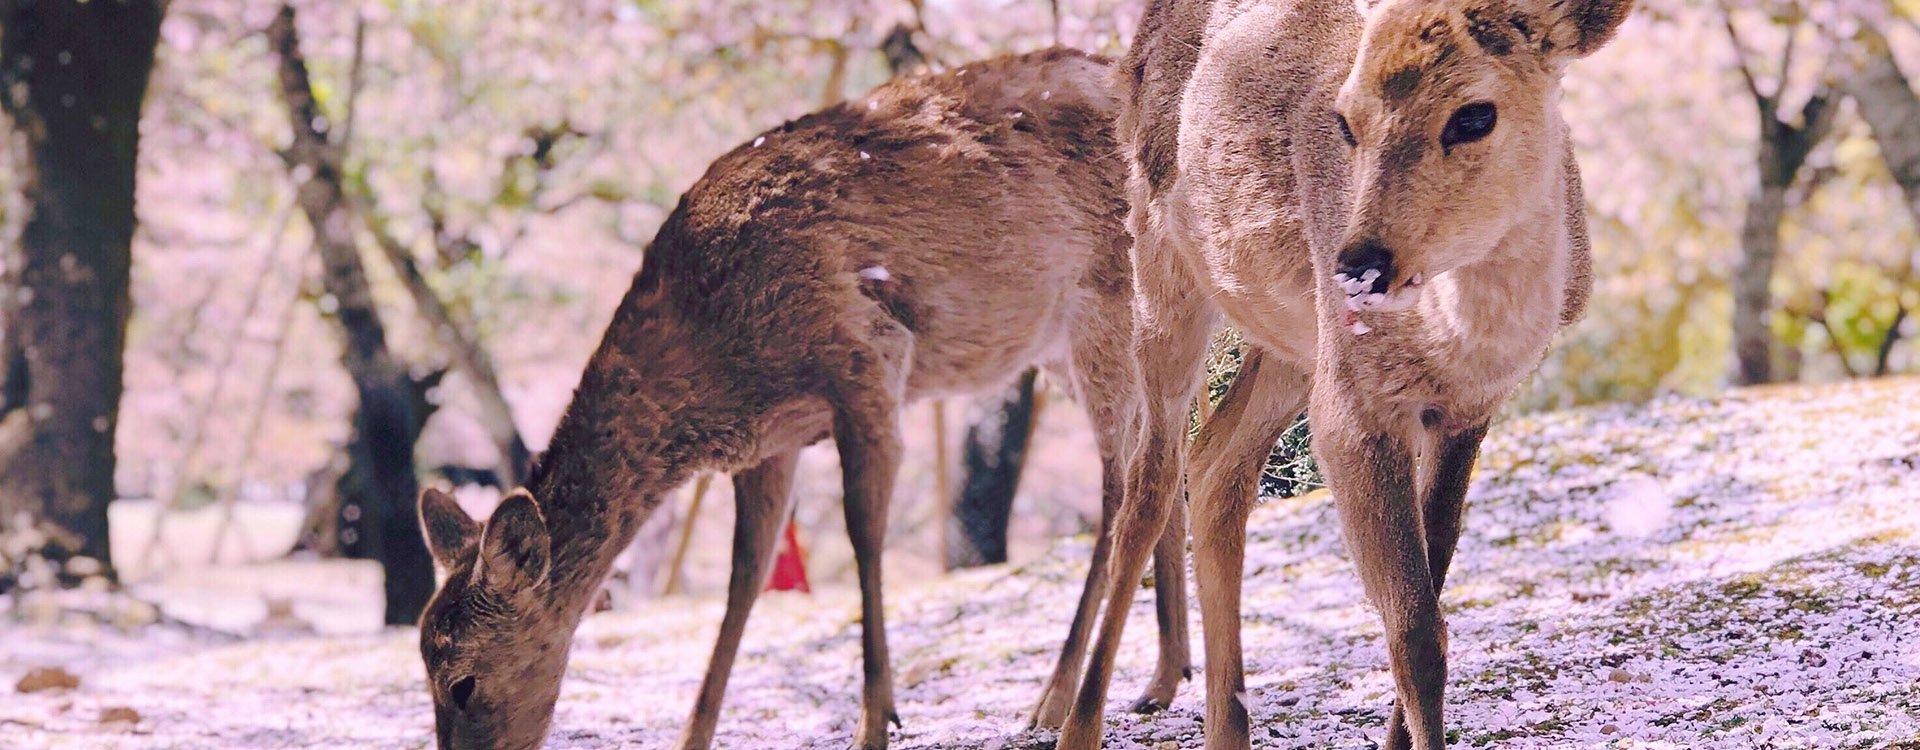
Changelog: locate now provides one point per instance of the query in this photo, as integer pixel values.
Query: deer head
(495, 649)
(1450, 113)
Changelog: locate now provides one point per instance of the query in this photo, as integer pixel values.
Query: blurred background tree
(72, 80)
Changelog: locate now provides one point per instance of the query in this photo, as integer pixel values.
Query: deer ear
(451, 533)
(1577, 28)
(514, 552)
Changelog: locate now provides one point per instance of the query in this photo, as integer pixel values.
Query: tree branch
(1766, 103)
(1053, 6)
(454, 331)
(1886, 100)
(837, 55)
(1816, 122)
(355, 78)
(1786, 62)
(1884, 356)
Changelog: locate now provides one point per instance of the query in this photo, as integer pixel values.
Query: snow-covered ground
(1738, 573)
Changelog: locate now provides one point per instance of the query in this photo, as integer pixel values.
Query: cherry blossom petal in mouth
(1353, 323)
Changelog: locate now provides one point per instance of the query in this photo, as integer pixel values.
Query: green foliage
(1290, 469)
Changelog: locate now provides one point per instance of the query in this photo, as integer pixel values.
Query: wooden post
(942, 480)
(686, 535)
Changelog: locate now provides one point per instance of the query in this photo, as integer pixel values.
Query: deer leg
(867, 394)
(1056, 697)
(1170, 613)
(1104, 383)
(1371, 474)
(1229, 454)
(760, 497)
(1441, 508)
(1176, 661)
(1170, 345)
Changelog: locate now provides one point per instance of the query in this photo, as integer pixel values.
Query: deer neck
(591, 519)
(624, 442)
(1493, 318)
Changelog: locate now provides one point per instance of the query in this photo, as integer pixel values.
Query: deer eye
(461, 692)
(1346, 131)
(1468, 124)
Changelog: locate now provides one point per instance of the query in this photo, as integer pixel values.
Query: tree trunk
(992, 456)
(1785, 140)
(72, 79)
(1753, 283)
(378, 490)
(904, 58)
(1888, 103)
(1784, 147)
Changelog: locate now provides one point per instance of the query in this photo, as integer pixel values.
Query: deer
(938, 236)
(1383, 199)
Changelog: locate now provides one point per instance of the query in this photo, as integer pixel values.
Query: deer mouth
(1361, 296)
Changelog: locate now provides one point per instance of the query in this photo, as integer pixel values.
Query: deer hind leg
(1107, 389)
(760, 496)
(868, 388)
(1371, 473)
(1170, 612)
(1229, 454)
(1170, 344)
(1441, 507)
(1057, 696)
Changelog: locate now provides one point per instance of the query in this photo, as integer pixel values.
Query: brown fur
(1248, 200)
(992, 199)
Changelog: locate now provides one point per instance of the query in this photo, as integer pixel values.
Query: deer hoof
(1148, 705)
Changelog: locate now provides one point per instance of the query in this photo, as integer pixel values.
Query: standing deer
(1384, 201)
(939, 236)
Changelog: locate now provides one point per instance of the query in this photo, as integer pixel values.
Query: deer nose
(1364, 267)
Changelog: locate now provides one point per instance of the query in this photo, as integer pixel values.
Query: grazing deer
(1384, 201)
(939, 236)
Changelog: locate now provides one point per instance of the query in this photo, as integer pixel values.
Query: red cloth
(790, 564)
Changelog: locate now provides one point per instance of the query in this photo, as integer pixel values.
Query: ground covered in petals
(1738, 573)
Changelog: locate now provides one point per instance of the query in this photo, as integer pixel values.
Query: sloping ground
(1738, 573)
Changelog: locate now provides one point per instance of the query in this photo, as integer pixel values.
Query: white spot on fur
(864, 156)
(1045, 95)
(758, 141)
(873, 104)
(875, 273)
(1359, 327)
